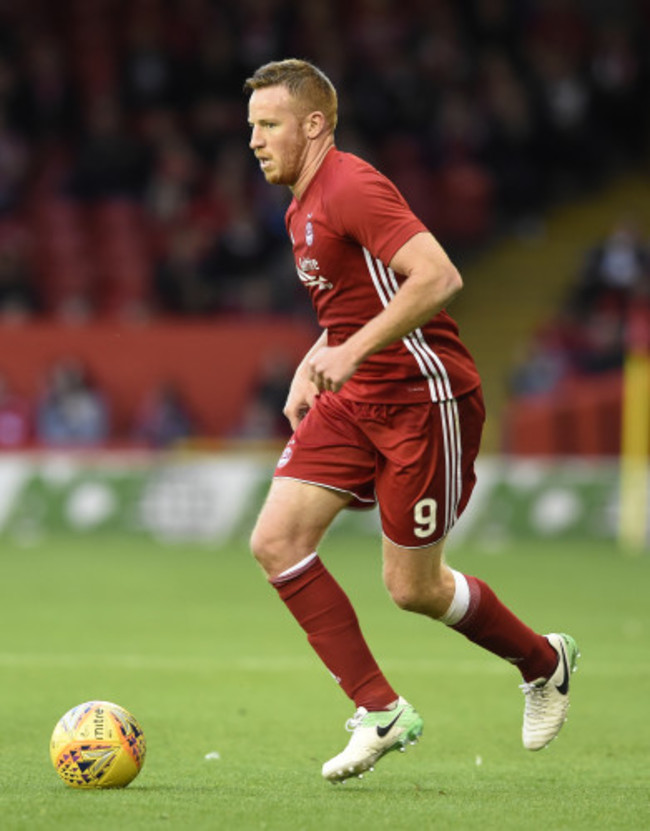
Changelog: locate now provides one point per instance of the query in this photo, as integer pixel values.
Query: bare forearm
(431, 284)
(303, 391)
(303, 366)
(415, 304)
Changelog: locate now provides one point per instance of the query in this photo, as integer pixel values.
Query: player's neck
(311, 166)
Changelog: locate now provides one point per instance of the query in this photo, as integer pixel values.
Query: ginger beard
(278, 135)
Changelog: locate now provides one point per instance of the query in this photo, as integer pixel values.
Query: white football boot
(547, 699)
(374, 734)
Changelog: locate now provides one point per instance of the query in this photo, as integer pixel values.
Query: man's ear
(315, 124)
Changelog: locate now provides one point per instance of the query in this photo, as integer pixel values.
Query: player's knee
(273, 549)
(263, 546)
(418, 598)
(407, 597)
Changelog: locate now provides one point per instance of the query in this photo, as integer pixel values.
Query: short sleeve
(367, 207)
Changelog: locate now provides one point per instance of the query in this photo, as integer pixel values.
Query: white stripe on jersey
(429, 363)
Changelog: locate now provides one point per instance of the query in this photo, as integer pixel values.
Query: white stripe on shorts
(453, 453)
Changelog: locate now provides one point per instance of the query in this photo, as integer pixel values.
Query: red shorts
(416, 461)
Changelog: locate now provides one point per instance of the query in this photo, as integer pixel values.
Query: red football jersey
(345, 230)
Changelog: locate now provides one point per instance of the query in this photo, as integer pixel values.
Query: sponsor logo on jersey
(309, 264)
(315, 281)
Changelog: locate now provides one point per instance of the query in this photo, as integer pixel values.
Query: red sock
(491, 625)
(323, 610)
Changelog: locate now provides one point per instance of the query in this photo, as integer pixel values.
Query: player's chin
(272, 176)
(273, 180)
(275, 176)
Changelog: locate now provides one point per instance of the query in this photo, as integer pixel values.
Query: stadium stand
(127, 192)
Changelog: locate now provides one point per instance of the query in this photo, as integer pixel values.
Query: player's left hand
(330, 367)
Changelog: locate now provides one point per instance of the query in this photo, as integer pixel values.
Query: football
(97, 745)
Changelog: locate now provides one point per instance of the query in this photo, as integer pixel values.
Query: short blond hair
(305, 82)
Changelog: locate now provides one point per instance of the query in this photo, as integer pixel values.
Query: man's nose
(255, 139)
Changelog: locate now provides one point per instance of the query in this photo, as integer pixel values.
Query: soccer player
(386, 407)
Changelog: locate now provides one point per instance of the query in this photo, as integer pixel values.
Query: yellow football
(97, 745)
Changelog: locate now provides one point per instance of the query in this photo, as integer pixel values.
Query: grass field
(199, 648)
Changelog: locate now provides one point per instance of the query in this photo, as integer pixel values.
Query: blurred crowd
(127, 187)
(606, 312)
(126, 183)
(71, 410)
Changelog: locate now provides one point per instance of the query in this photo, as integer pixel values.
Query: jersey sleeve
(369, 208)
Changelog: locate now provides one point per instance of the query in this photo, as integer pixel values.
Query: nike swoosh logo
(563, 688)
(383, 731)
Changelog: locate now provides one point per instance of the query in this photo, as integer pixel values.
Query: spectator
(18, 296)
(616, 270)
(46, 104)
(258, 422)
(173, 181)
(14, 166)
(71, 410)
(241, 261)
(212, 123)
(602, 345)
(511, 149)
(111, 161)
(541, 369)
(163, 418)
(15, 418)
(181, 275)
(216, 66)
(572, 152)
(263, 418)
(618, 79)
(148, 77)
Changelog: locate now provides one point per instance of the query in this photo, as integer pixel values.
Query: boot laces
(352, 723)
(536, 694)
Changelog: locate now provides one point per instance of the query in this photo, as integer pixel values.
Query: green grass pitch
(193, 641)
